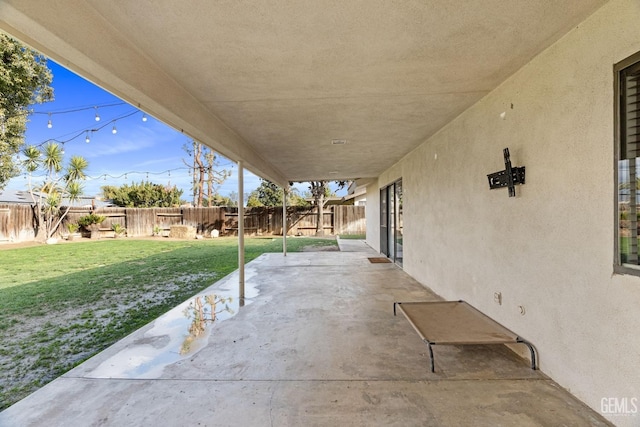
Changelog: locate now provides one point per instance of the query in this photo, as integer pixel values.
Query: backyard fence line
(17, 222)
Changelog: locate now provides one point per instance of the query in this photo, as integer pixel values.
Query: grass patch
(353, 236)
(61, 304)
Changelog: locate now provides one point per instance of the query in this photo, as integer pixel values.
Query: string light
(86, 131)
(125, 175)
(76, 109)
(88, 134)
(26, 112)
(79, 133)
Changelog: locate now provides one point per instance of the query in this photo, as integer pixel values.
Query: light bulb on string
(97, 115)
(62, 149)
(87, 139)
(144, 117)
(49, 124)
(114, 130)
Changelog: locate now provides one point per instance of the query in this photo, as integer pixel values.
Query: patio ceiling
(273, 83)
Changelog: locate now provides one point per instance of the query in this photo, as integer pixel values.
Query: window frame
(618, 94)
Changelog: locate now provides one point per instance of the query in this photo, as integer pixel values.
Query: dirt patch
(39, 346)
(11, 245)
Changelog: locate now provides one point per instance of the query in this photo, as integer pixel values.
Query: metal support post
(241, 231)
(284, 221)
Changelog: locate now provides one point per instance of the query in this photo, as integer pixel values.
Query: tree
(143, 195)
(270, 194)
(204, 171)
(294, 198)
(253, 201)
(218, 200)
(234, 197)
(267, 194)
(24, 80)
(320, 191)
(61, 185)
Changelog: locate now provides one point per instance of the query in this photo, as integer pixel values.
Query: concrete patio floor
(316, 343)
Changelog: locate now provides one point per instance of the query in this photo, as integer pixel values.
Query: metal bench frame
(499, 334)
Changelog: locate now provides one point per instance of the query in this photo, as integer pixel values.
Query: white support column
(284, 221)
(241, 231)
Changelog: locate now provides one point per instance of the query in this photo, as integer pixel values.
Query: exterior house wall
(550, 249)
(372, 212)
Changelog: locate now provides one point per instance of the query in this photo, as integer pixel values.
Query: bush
(118, 229)
(87, 220)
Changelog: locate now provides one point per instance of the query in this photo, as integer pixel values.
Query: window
(627, 88)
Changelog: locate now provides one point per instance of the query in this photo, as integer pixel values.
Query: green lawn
(61, 304)
(353, 236)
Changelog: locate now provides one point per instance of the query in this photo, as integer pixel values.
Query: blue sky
(140, 150)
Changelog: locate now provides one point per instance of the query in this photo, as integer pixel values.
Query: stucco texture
(550, 249)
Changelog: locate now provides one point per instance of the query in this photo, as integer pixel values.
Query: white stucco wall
(550, 249)
(372, 213)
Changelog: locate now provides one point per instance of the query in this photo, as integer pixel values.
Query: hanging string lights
(87, 132)
(97, 116)
(118, 179)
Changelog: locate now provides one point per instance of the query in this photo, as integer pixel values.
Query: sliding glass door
(391, 225)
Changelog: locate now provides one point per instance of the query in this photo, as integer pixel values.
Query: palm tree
(52, 158)
(55, 188)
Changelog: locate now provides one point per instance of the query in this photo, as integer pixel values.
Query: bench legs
(534, 364)
(431, 361)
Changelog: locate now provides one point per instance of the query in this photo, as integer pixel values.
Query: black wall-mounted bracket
(510, 177)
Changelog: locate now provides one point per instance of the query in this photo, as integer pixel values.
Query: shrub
(87, 220)
(118, 229)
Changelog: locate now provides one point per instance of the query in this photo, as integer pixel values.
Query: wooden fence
(17, 221)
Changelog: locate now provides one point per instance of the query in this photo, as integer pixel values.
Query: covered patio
(316, 343)
(416, 103)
